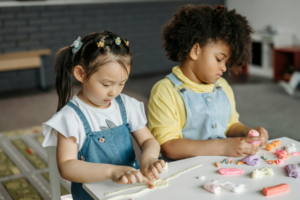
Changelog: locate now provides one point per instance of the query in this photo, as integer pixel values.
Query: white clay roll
(213, 188)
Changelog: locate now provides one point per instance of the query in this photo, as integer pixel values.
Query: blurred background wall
(282, 15)
(55, 24)
(276, 25)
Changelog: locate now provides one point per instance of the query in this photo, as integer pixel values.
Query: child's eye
(218, 60)
(105, 85)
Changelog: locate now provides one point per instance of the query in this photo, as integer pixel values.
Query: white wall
(284, 15)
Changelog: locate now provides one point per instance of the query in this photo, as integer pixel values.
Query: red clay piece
(268, 191)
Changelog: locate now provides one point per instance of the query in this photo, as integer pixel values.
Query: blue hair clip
(118, 41)
(76, 45)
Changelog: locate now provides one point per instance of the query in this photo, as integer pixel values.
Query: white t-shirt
(68, 123)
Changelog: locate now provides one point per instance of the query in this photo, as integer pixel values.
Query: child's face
(210, 63)
(105, 85)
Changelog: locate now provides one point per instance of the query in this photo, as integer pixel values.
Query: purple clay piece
(292, 170)
(252, 160)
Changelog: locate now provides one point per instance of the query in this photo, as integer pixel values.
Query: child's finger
(163, 163)
(124, 179)
(148, 175)
(155, 173)
(250, 150)
(159, 167)
(149, 182)
(252, 138)
(131, 178)
(139, 177)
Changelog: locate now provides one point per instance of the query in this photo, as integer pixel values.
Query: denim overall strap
(122, 109)
(80, 114)
(174, 79)
(207, 114)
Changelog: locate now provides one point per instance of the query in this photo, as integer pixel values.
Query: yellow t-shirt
(166, 108)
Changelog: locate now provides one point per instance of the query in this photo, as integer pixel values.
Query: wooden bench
(25, 60)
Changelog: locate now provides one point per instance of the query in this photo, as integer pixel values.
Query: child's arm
(150, 152)
(82, 172)
(236, 145)
(186, 148)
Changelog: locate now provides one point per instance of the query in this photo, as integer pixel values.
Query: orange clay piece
(240, 162)
(217, 165)
(276, 143)
(231, 161)
(272, 162)
(268, 191)
(269, 147)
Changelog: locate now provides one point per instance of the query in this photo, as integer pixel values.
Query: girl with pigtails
(92, 129)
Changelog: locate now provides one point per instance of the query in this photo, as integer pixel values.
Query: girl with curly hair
(192, 111)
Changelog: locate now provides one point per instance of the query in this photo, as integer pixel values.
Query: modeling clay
(227, 160)
(292, 170)
(272, 162)
(254, 133)
(217, 165)
(157, 184)
(282, 154)
(252, 160)
(290, 148)
(276, 143)
(296, 153)
(264, 157)
(211, 187)
(268, 191)
(269, 147)
(201, 177)
(279, 161)
(231, 171)
(259, 173)
(240, 162)
(166, 166)
(234, 187)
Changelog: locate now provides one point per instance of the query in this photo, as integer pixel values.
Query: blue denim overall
(112, 146)
(207, 113)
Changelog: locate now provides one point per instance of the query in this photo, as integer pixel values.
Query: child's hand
(129, 175)
(239, 146)
(152, 167)
(263, 135)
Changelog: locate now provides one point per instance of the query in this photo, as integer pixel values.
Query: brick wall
(36, 27)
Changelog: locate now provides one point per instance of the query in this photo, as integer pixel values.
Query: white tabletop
(187, 186)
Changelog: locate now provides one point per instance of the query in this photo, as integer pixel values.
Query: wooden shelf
(283, 58)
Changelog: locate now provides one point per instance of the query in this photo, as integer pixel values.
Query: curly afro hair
(202, 24)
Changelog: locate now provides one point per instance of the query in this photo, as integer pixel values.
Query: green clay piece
(226, 161)
(264, 157)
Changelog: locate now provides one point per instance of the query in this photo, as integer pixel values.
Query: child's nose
(113, 92)
(224, 68)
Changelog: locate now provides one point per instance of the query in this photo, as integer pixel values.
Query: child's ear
(195, 51)
(79, 73)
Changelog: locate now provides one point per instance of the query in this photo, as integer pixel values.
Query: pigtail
(63, 71)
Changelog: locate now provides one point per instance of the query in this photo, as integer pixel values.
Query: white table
(188, 187)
